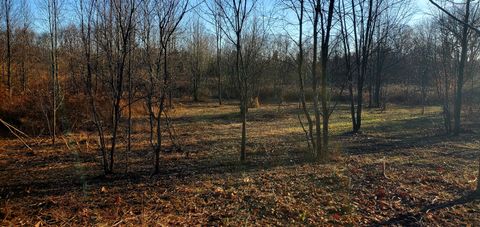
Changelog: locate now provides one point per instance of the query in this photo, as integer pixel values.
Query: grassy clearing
(278, 184)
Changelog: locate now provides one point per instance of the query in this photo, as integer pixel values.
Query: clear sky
(421, 10)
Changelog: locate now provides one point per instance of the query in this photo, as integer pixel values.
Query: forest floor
(401, 170)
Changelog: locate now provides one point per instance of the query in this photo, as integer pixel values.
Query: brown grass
(278, 185)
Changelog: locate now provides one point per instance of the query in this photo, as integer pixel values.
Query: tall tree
(53, 14)
(87, 14)
(363, 20)
(326, 23)
(169, 15)
(116, 39)
(235, 14)
(298, 8)
(461, 70)
(466, 26)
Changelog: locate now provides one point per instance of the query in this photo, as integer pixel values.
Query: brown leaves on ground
(399, 171)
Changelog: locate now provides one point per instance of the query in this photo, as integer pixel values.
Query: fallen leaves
(278, 185)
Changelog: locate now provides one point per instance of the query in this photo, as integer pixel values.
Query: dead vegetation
(404, 172)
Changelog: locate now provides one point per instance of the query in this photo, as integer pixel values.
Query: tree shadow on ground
(413, 219)
(400, 135)
(183, 168)
(234, 116)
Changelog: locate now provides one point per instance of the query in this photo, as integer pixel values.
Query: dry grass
(278, 185)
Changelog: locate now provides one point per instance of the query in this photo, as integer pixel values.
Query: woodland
(239, 113)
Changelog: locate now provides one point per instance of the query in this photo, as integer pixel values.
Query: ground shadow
(412, 219)
(402, 134)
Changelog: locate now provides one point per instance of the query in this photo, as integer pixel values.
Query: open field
(400, 170)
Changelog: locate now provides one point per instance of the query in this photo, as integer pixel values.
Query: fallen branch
(12, 130)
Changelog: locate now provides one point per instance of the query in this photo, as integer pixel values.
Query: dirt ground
(401, 170)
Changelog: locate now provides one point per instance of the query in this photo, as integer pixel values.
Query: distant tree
(423, 59)
(391, 23)
(255, 59)
(198, 49)
(25, 43)
(215, 18)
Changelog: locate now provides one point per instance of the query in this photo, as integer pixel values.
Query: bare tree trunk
(169, 15)
(347, 56)
(424, 91)
(300, 71)
(478, 178)
(324, 91)
(7, 8)
(243, 113)
(377, 78)
(243, 95)
(166, 84)
(316, 105)
(129, 139)
(52, 7)
(219, 70)
(461, 72)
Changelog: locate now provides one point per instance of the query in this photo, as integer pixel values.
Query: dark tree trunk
(461, 72)
(9, 46)
(316, 105)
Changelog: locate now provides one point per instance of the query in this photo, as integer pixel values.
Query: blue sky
(421, 9)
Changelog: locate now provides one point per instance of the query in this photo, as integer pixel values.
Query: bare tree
(53, 14)
(198, 47)
(391, 21)
(363, 20)
(235, 14)
(87, 13)
(169, 15)
(463, 36)
(322, 27)
(326, 23)
(147, 56)
(466, 26)
(215, 19)
(116, 37)
(461, 70)
(298, 8)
